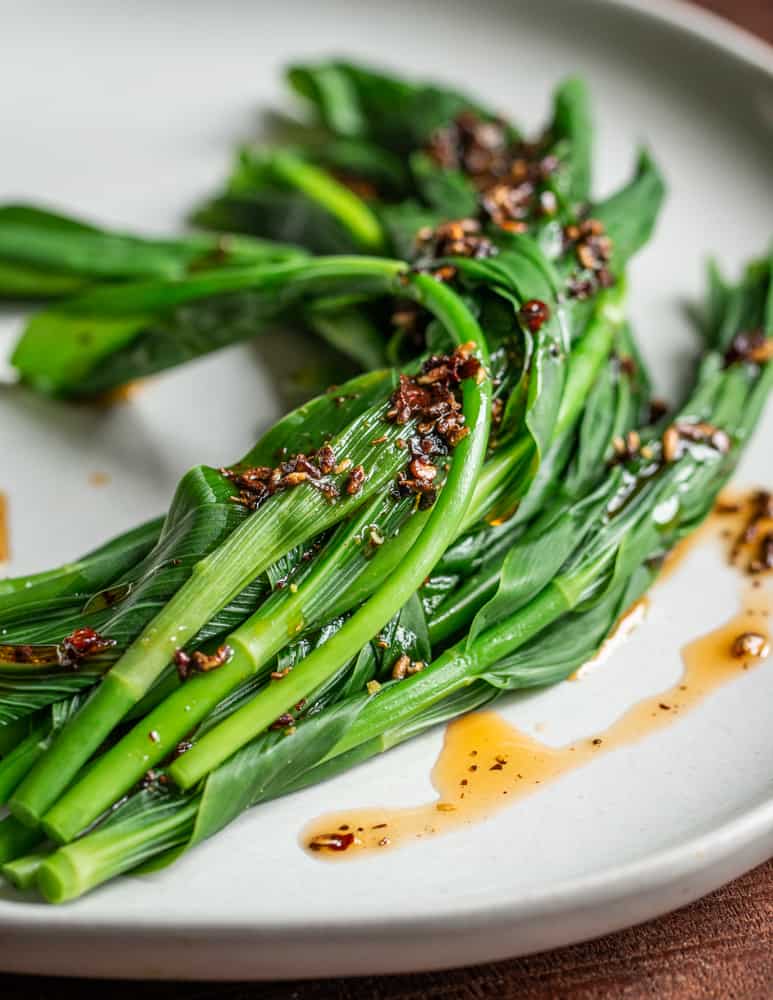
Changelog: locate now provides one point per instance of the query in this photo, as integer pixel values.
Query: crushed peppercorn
(355, 481)
(331, 842)
(534, 313)
(593, 251)
(198, 662)
(751, 346)
(81, 644)
(257, 483)
(429, 399)
(509, 174)
(458, 238)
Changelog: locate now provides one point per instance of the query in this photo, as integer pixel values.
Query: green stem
(441, 527)
(18, 762)
(467, 601)
(14, 732)
(78, 867)
(457, 667)
(23, 872)
(589, 354)
(350, 210)
(141, 298)
(282, 616)
(585, 360)
(217, 579)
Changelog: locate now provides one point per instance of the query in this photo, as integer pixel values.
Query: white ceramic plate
(126, 112)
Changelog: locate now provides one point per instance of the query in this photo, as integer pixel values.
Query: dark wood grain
(720, 948)
(753, 15)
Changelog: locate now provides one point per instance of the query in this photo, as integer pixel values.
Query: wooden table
(720, 948)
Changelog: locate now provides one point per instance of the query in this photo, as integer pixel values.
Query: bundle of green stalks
(468, 516)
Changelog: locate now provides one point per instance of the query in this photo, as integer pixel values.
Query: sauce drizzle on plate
(486, 763)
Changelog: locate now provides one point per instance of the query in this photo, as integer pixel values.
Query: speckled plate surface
(127, 112)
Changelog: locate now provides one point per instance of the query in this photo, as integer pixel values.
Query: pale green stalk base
(78, 867)
(23, 872)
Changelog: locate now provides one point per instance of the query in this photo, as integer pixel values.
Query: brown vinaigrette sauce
(486, 763)
(120, 395)
(5, 544)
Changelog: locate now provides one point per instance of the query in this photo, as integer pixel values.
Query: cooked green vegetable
(289, 520)
(399, 155)
(460, 167)
(630, 519)
(44, 254)
(468, 517)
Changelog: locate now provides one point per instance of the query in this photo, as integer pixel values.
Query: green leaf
(353, 100)
(272, 762)
(406, 634)
(536, 558)
(69, 585)
(595, 433)
(347, 327)
(629, 215)
(447, 192)
(572, 123)
(43, 254)
(565, 646)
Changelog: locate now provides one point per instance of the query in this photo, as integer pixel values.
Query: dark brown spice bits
(593, 250)
(329, 490)
(355, 481)
(331, 842)
(258, 483)
(429, 399)
(459, 238)
(283, 722)
(705, 433)
(198, 662)
(750, 644)
(534, 314)
(81, 644)
(751, 346)
(470, 144)
(625, 448)
(508, 175)
(182, 747)
(658, 409)
(422, 470)
(404, 666)
(765, 559)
